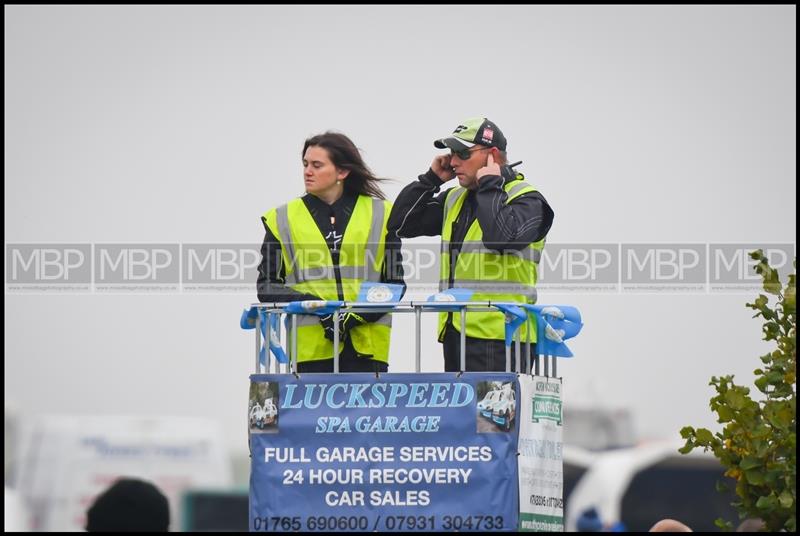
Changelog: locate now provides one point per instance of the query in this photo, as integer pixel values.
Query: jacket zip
(335, 258)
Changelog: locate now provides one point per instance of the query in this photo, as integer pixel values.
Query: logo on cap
(474, 130)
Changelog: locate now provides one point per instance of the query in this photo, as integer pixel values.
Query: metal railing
(532, 362)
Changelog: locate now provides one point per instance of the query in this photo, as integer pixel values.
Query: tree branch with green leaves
(758, 443)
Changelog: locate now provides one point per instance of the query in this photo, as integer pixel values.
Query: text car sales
(378, 498)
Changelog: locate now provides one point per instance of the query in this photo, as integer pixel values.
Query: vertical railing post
(418, 342)
(258, 341)
(508, 347)
(336, 341)
(293, 342)
(527, 346)
(463, 338)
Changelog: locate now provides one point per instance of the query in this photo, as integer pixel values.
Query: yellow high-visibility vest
(499, 277)
(310, 269)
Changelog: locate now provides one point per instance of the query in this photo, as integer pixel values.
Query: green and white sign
(547, 400)
(541, 469)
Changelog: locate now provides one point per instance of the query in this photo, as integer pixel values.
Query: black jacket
(526, 219)
(418, 211)
(513, 226)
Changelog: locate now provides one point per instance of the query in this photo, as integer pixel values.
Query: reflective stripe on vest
(508, 276)
(367, 270)
(309, 269)
(477, 246)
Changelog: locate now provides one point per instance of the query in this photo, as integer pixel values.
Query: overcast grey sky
(176, 125)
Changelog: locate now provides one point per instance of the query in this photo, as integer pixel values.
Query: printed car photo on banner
(541, 467)
(262, 410)
(497, 406)
(402, 452)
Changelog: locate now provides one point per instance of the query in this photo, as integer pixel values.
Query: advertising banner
(402, 452)
(541, 469)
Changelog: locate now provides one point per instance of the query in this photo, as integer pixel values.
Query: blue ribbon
(379, 294)
(274, 341)
(248, 321)
(515, 316)
(554, 325)
(313, 307)
(440, 300)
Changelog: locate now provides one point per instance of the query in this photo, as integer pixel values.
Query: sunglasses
(465, 154)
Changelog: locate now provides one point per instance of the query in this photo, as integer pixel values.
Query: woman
(322, 246)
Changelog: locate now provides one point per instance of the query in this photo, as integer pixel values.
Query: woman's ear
(343, 173)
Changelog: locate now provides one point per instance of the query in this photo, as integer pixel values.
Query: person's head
(669, 525)
(751, 524)
(129, 505)
(332, 164)
(470, 145)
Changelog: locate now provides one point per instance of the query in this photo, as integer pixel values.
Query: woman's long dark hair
(345, 155)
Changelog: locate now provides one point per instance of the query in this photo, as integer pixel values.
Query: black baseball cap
(473, 131)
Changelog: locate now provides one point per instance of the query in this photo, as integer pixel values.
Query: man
(129, 505)
(493, 227)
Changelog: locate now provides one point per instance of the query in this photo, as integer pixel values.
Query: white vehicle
(92, 449)
(270, 411)
(577, 462)
(261, 416)
(15, 513)
(257, 415)
(643, 484)
(504, 408)
(485, 405)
